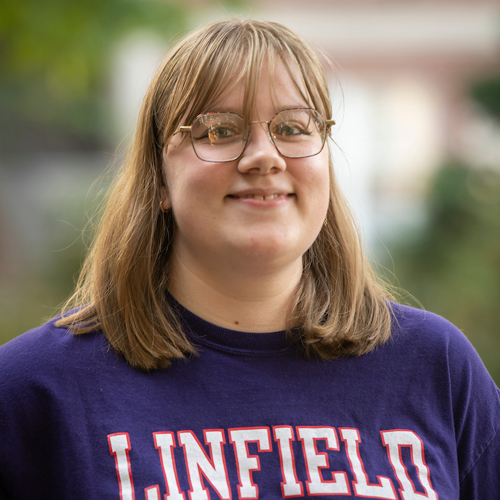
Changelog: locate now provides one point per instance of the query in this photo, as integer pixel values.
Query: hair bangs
(236, 52)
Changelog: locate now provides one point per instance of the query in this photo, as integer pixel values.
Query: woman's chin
(270, 248)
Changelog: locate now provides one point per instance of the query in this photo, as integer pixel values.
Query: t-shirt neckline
(210, 335)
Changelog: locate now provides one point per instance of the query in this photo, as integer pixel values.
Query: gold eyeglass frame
(188, 128)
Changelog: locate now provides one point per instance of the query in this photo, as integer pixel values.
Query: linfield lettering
(207, 464)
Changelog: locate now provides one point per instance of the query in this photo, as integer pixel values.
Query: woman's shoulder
(444, 358)
(424, 327)
(47, 350)
(431, 341)
(30, 344)
(412, 319)
(439, 347)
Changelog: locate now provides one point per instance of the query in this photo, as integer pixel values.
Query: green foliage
(44, 279)
(487, 94)
(56, 53)
(453, 265)
(34, 294)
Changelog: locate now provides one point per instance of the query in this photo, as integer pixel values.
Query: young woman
(228, 338)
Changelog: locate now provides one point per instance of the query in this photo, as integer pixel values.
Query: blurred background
(416, 96)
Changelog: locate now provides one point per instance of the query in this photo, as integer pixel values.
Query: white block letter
(393, 440)
(197, 463)
(247, 463)
(165, 443)
(119, 444)
(290, 487)
(315, 461)
(152, 492)
(362, 488)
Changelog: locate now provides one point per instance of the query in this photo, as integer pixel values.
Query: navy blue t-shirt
(249, 417)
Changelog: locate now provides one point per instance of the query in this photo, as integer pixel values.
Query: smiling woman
(298, 255)
(226, 299)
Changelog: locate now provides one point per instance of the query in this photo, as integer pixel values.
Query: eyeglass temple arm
(183, 128)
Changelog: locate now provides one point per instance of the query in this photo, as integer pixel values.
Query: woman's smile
(259, 198)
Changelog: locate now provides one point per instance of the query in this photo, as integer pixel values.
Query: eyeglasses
(222, 137)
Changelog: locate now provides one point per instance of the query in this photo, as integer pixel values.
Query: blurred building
(400, 93)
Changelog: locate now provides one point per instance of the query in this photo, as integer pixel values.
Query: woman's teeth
(257, 197)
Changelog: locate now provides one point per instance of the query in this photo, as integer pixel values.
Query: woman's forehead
(275, 85)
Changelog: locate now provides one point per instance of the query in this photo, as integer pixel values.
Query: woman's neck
(251, 300)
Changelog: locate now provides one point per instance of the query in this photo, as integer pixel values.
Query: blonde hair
(339, 304)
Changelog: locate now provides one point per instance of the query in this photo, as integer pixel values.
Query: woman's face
(262, 209)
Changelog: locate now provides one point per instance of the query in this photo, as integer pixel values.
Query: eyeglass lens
(296, 133)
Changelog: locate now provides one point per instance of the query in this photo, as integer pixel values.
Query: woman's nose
(260, 155)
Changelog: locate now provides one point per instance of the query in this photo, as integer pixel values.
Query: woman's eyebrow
(300, 105)
(224, 109)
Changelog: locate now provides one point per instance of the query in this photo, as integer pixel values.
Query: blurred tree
(487, 94)
(453, 265)
(55, 56)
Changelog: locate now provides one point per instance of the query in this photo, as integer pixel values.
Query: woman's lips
(258, 196)
(261, 200)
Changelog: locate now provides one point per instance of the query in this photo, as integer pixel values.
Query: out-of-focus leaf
(487, 94)
(453, 266)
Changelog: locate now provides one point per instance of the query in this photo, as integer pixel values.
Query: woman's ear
(165, 204)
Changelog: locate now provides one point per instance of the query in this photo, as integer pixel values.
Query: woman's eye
(218, 135)
(289, 130)
(221, 133)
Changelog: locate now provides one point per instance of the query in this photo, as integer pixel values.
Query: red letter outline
(117, 465)
(210, 461)
(334, 473)
(152, 492)
(260, 450)
(292, 457)
(431, 495)
(367, 482)
(174, 467)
